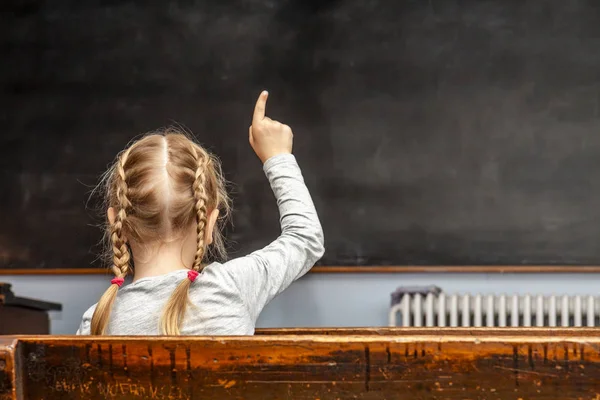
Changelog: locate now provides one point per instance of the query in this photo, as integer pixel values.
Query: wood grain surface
(364, 364)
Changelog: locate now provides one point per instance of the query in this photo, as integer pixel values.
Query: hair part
(159, 186)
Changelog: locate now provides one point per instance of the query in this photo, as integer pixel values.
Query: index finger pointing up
(261, 105)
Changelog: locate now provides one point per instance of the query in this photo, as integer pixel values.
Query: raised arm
(263, 274)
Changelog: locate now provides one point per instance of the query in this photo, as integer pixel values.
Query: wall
(317, 300)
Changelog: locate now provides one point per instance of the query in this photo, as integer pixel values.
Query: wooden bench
(312, 364)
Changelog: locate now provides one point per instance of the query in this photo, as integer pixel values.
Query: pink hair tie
(117, 281)
(192, 275)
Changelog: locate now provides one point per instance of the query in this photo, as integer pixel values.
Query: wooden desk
(19, 315)
(308, 364)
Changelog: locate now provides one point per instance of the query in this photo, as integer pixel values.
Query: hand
(268, 138)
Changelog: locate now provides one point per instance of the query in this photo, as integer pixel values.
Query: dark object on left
(20, 315)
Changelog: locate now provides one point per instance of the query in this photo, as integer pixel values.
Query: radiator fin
(495, 311)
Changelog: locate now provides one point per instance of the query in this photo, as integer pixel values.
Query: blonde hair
(159, 186)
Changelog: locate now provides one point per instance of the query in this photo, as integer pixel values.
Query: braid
(121, 255)
(201, 199)
(174, 312)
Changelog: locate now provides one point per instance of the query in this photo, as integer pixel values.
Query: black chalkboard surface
(439, 132)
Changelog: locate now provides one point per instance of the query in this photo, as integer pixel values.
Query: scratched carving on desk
(72, 377)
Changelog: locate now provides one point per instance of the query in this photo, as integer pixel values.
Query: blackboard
(438, 132)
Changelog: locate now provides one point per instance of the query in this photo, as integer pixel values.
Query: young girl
(165, 194)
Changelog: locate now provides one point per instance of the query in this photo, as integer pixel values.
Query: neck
(159, 260)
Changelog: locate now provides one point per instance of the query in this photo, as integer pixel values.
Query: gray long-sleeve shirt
(227, 298)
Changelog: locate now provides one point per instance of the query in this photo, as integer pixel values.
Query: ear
(111, 215)
(210, 226)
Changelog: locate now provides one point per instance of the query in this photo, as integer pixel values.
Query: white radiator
(444, 310)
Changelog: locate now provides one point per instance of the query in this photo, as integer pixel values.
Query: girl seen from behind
(166, 200)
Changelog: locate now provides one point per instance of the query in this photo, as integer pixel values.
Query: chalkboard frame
(498, 269)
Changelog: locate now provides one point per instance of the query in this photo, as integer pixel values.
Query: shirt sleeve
(264, 274)
(86, 320)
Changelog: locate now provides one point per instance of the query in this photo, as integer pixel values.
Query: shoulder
(219, 278)
(233, 270)
(86, 320)
(217, 274)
